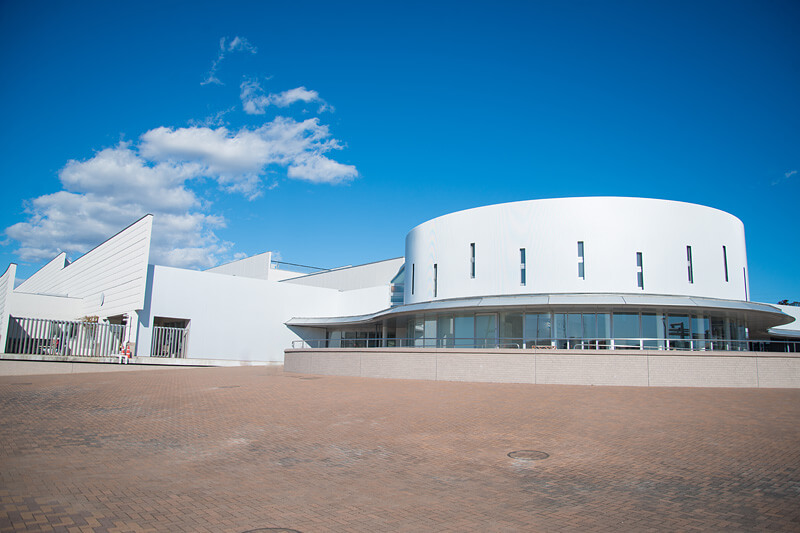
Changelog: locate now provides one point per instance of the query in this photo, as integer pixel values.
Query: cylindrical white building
(596, 273)
(578, 246)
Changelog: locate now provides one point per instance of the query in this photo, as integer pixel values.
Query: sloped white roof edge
(775, 315)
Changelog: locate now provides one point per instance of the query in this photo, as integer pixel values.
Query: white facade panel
(231, 317)
(46, 277)
(356, 277)
(6, 295)
(363, 301)
(612, 231)
(258, 267)
(27, 305)
(109, 280)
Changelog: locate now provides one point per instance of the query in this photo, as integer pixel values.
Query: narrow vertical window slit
(435, 280)
(725, 261)
(639, 270)
(472, 260)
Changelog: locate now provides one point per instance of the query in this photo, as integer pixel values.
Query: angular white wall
(46, 278)
(612, 229)
(110, 279)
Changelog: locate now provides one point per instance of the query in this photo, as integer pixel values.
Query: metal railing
(63, 337)
(556, 343)
(169, 342)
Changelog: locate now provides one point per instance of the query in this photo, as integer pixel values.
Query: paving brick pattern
(239, 449)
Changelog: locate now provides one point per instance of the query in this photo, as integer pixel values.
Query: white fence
(63, 337)
(169, 342)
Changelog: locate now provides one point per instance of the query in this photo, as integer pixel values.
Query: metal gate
(169, 342)
(63, 337)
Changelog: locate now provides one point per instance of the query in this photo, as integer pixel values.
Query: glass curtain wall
(485, 331)
(444, 332)
(511, 328)
(679, 332)
(573, 330)
(465, 331)
(654, 328)
(626, 330)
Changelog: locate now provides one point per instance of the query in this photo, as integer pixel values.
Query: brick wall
(568, 367)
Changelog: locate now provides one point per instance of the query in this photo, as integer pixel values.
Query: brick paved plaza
(239, 449)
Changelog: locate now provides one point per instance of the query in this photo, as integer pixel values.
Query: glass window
(560, 330)
(465, 330)
(725, 261)
(444, 332)
(640, 271)
(589, 325)
(522, 266)
(537, 329)
(545, 328)
(589, 330)
(530, 329)
(574, 329)
(720, 333)
(511, 330)
(472, 260)
(581, 271)
(701, 329)
(430, 330)
(689, 263)
(417, 330)
(678, 331)
(335, 339)
(603, 330)
(435, 280)
(412, 278)
(741, 334)
(626, 330)
(654, 331)
(485, 331)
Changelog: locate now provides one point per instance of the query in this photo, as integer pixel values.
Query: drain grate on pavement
(529, 455)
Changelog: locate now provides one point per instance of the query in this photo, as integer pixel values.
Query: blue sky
(325, 131)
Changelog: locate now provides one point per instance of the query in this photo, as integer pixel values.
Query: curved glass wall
(612, 329)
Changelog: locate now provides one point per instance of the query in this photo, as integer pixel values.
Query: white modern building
(597, 275)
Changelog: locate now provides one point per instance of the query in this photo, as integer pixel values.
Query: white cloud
(238, 160)
(786, 176)
(255, 101)
(110, 191)
(118, 185)
(237, 44)
(319, 169)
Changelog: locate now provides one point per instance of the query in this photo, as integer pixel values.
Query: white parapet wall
(379, 273)
(563, 367)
